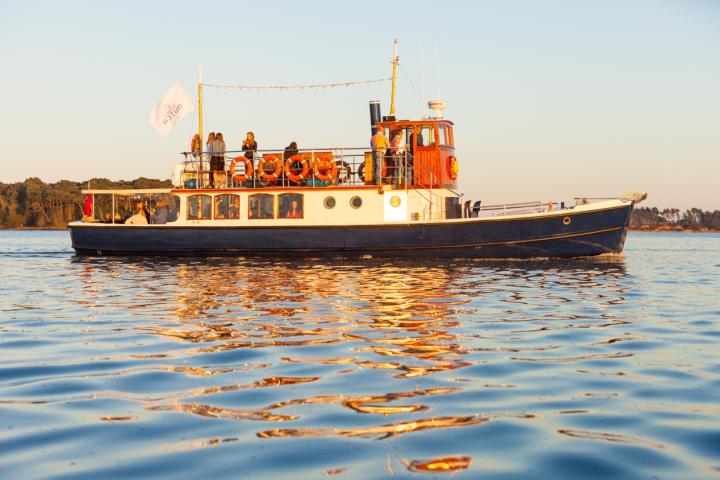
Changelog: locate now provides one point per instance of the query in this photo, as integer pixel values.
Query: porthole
(356, 202)
(329, 202)
(395, 201)
(566, 221)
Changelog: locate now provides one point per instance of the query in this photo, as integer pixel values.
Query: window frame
(237, 201)
(428, 127)
(291, 195)
(200, 208)
(262, 195)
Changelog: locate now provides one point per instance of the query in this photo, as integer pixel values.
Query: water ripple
(585, 368)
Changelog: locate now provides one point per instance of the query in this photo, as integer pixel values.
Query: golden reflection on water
(442, 464)
(381, 317)
(381, 431)
(386, 311)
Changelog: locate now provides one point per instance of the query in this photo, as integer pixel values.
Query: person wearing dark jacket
(290, 151)
(249, 146)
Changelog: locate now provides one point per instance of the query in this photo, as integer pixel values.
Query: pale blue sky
(551, 99)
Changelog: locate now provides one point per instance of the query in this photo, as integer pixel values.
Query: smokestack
(374, 115)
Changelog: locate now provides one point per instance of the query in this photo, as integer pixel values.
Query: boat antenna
(437, 77)
(394, 76)
(200, 105)
(422, 76)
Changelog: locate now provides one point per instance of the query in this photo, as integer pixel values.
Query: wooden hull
(564, 234)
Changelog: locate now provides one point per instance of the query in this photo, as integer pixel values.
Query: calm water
(120, 367)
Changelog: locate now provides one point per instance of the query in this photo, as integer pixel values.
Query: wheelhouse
(430, 150)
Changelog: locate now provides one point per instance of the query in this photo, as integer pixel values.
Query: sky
(551, 99)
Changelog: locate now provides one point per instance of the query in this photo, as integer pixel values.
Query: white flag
(174, 105)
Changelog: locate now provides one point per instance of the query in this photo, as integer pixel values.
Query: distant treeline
(36, 204)
(646, 218)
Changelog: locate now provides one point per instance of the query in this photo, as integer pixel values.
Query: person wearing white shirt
(139, 218)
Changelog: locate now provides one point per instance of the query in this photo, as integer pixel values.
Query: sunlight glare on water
(142, 367)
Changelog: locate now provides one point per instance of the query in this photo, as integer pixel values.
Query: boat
(344, 202)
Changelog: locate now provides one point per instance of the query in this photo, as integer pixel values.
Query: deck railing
(477, 209)
(349, 164)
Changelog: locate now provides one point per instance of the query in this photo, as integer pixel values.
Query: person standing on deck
(207, 158)
(397, 148)
(290, 151)
(379, 144)
(249, 145)
(414, 141)
(217, 161)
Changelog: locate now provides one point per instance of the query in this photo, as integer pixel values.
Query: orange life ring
(196, 144)
(268, 158)
(453, 167)
(361, 173)
(289, 170)
(325, 165)
(248, 169)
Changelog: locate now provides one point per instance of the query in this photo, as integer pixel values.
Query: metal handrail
(276, 150)
(196, 163)
(517, 208)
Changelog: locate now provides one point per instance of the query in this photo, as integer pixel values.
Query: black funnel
(374, 115)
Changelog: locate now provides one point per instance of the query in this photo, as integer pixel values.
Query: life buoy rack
(453, 167)
(196, 144)
(240, 177)
(324, 169)
(294, 177)
(270, 158)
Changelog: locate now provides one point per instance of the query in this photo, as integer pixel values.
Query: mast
(200, 107)
(394, 76)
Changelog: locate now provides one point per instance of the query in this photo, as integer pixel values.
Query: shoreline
(20, 229)
(666, 229)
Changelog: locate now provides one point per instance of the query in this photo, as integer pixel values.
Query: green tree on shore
(35, 204)
(650, 218)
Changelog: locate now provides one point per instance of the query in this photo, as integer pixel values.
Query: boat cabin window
(116, 208)
(261, 205)
(227, 207)
(441, 134)
(198, 207)
(291, 205)
(445, 135)
(426, 137)
(123, 208)
(415, 135)
(103, 208)
(173, 206)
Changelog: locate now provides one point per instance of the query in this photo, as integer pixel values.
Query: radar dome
(437, 106)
